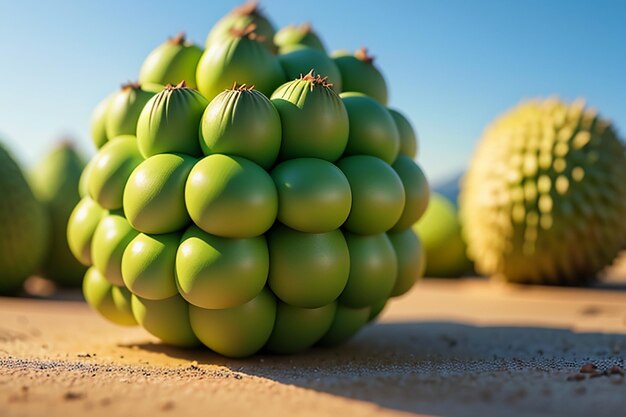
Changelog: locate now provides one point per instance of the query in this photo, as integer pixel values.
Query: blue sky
(451, 65)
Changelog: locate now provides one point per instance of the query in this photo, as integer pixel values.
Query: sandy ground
(449, 348)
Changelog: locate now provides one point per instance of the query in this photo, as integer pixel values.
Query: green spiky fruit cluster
(269, 208)
(24, 227)
(545, 196)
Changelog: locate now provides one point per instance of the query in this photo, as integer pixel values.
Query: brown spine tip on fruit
(305, 28)
(66, 143)
(170, 87)
(242, 87)
(131, 85)
(362, 55)
(315, 79)
(249, 8)
(178, 39)
(248, 31)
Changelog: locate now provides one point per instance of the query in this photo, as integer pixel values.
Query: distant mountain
(449, 188)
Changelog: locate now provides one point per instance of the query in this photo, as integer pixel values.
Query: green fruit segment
(124, 109)
(373, 270)
(231, 197)
(360, 75)
(98, 123)
(238, 331)
(313, 195)
(408, 137)
(149, 265)
(377, 308)
(240, 18)
(346, 323)
(110, 170)
(416, 190)
(171, 62)
(314, 119)
(307, 270)
(154, 196)
(215, 272)
(166, 319)
(242, 122)
(372, 129)
(377, 194)
(411, 260)
(113, 303)
(299, 61)
(300, 35)
(297, 329)
(81, 227)
(109, 241)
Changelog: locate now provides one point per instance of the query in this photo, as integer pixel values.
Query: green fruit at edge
(292, 35)
(83, 181)
(166, 319)
(109, 241)
(377, 194)
(313, 195)
(238, 331)
(440, 232)
(154, 196)
(297, 329)
(416, 190)
(169, 122)
(314, 119)
(55, 183)
(238, 58)
(98, 122)
(110, 170)
(373, 270)
(346, 323)
(240, 18)
(113, 303)
(149, 265)
(372, 128)
(307, 270)
(231, 197)
(360, 75)
(411, 260)
(124, 109)
(299, 61)
(215, 272)
(172, 62)
(377, 308)
(81, 227)
(408, 137)
(242, 122)
(24, 239)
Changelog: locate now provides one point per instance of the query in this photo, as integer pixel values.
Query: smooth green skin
(299, 61)
(346, 323)
(416, 190)
(124, 110)
(238, 59)
(83, 181)
(98, 122)
(408, 137)
(373, 270)
(169, 123)
(242, 123)
(361, 77)
(230, 196)
(376, 309)
(377, 194)
(440, 232)
(171, 63)
(110, 170)
(314, 121)
(215, 272)
(411, 260)
(264, 28)
(292, 35)
(297, 329)
(113, 303)
(313, 195)
(239, 331)
(110, 239)
(154, 196)
(166, 319)
(307, 270)
(149, 265)
(24, 227)
(55, 180)
(81, 227)
(372, 129)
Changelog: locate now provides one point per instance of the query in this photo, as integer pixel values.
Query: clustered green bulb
(544, 198)
(254, 212)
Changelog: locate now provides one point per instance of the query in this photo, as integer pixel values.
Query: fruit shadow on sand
(452, 369)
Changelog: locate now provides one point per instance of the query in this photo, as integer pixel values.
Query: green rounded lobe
(408, 137)
(416, 190)
(346, 323)
(81, 228)
(110, 239)
(299, 61)
(113, 303)
(166, 319)
(360, 75)
(171, 62)
(411, 260)
(124, 109)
